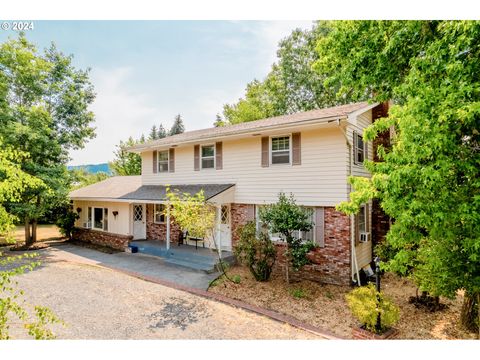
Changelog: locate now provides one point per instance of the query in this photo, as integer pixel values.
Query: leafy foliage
(286, 217)
(66, 221)
(255, 251)
(126, 163)
(177, 127)
(366, 303)
(429, 180)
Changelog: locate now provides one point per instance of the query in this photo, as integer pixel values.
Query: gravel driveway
(100, 303)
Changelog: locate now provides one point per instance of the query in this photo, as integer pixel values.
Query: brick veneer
(330, 264)
(159, 231)
(362, 334)
(114, 241)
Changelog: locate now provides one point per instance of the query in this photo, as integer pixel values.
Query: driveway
(100, 303)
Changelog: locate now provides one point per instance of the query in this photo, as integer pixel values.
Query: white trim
(158, 160)
(270, 151)
(208, 157)
(355, 114)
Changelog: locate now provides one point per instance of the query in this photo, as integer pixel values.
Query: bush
(298, 293)
(365, 303)
(256, 251)
(237, 279)
(299, 251)
(66, 223)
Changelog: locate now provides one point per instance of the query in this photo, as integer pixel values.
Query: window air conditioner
(364, 237)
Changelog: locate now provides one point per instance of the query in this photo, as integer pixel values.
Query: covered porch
(202, 259)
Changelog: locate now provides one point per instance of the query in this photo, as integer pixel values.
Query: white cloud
(120, 111)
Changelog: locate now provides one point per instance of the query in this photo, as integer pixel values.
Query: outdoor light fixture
(79, 210)
(115, 213)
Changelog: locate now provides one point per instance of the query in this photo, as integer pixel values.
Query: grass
(44, 233)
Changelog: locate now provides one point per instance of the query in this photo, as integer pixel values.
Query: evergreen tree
(218, 121)
(177, 127)
(142, 139)
(161, 133)
(153, 133)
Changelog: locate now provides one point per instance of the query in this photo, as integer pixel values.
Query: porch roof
(130, 189)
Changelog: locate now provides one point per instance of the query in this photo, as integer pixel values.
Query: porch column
(168, 226)
(218, 230)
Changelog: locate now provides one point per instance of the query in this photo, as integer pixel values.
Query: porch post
(218, 209)
(168, 226)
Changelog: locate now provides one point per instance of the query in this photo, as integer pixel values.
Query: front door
(225, 228)
(139, 225)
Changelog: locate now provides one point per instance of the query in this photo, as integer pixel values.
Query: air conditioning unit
(364, 237)
(87, 225)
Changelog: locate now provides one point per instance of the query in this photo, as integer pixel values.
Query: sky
(146, 72)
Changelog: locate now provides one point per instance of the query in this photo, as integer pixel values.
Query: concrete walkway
(96, 302)
(151, 266)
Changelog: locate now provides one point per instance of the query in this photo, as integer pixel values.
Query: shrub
(366, 303)
(66, 223)
(299, 251)
(236, 279)
(256, 251)
(298, 293)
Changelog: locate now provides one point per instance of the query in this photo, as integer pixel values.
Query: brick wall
(159, 231)
(330, 264)
(114, 241)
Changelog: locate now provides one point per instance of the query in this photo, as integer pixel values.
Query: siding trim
(196, 158)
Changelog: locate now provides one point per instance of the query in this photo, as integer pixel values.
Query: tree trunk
(470, 316)
(287, 264)
(28, 238)
(34, 231)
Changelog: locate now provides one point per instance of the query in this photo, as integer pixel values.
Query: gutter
(352, 217)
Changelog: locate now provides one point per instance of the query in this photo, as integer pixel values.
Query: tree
(81, 178)
(177, 127)
(13, 181)
(429, 181)
(218, 121)
(44, 112)
(126, 163)
(286, 217)
(161, 133)
(291, 85)
(153, 133)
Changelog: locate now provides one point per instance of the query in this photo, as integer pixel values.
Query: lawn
(324, 306)
(44, 232)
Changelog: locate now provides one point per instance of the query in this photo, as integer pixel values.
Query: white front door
(225, 228)
(139, 223)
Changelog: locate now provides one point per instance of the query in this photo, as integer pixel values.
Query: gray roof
(297, 118)
(131, 188)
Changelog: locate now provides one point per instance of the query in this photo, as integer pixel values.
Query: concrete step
(205, 267)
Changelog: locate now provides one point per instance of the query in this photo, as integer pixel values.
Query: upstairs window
(162, 159)
(358, 148)
(208, 157)
(280, 150)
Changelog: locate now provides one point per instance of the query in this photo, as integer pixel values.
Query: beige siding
(319, 181)
(118, 225)
(362, 121)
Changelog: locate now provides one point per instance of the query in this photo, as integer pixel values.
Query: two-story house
(241, 168)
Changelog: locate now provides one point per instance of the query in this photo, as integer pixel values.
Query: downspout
(352, 217)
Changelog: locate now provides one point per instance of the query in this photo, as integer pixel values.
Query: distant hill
(93, 168)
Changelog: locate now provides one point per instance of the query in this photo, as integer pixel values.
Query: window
(98, 218)
(159, 215)
(260, 226)
(105, 219)
(359, 149)
(307, 236)
(362, 219)
(280, 153)
(88, 224)
(225, 214)
(208, 157)
(162, 159)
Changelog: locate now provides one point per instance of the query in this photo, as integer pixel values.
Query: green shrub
(236, 279)
(298, 293)
(299, 251)
(66, 223)
(256, 251)
(366, 302)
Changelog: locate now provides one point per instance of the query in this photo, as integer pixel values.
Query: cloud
(120, 110)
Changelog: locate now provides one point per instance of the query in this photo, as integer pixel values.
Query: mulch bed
(324, 306)
(23, 247)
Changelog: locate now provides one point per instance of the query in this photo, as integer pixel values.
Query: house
(241, 168)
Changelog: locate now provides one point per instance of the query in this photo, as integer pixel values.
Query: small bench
(197, 240)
